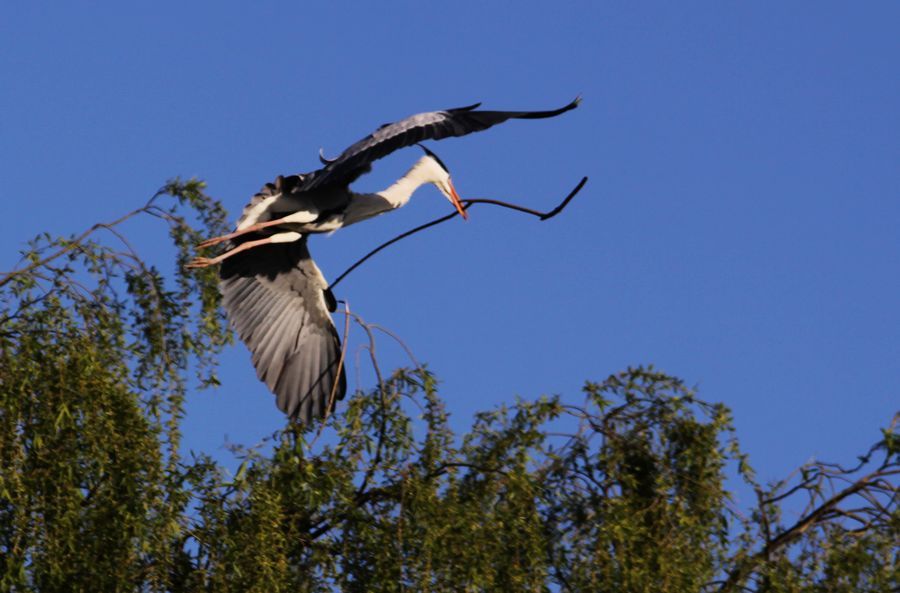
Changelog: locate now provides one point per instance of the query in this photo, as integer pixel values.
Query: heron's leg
(250, 229)
(203, 262)
(295, 218)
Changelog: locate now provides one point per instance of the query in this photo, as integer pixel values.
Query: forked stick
(466, 204)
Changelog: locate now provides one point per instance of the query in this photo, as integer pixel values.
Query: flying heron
(274, 294)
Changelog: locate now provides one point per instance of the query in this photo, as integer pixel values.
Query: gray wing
(274, 297)
(434, 125)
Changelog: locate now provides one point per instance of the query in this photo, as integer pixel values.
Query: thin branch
(746, 567)
(403, 345)
(444, 467)
(382, 428)
(466, 205)
(76, 242)
(802, 485)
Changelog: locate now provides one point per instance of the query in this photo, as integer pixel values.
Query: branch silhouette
(466, 205)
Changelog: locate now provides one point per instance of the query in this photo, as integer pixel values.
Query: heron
(275, 296)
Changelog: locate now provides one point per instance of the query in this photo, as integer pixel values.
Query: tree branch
(745, 567)
(466, 205)
(76, 242)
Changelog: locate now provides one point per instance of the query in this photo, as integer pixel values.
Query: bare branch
(466, 205)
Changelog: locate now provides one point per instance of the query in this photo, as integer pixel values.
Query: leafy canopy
(624, 490)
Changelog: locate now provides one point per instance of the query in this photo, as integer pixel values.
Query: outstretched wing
(434, 125)
(274, 297)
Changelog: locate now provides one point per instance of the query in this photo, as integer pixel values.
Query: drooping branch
(189, 192)
(466, 205)
(76, 242)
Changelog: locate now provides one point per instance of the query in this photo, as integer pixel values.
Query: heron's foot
(214, 241)
(202, 262)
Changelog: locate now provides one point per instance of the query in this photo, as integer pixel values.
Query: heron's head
(436, 172)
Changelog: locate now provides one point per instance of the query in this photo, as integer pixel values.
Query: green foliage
(94, 349)
(623, 492)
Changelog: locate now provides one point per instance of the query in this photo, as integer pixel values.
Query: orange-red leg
(250, 229)
(203, 262)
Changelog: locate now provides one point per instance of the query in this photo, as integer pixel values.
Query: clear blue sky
(741, 228)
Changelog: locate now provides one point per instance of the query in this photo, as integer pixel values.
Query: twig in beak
(461, 207)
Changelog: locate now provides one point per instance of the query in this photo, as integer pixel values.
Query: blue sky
(739, 230)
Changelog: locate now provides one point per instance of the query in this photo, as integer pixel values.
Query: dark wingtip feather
(553, 113)
(464, 109)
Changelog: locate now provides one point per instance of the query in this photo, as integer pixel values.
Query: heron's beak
(456, 201)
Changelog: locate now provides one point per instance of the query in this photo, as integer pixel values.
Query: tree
(624, 491)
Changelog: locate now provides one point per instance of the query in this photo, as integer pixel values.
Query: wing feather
(434, 125)
(274, 298)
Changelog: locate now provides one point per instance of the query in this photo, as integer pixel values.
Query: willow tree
(621, 489)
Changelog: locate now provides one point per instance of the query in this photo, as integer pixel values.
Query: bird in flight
(274, 294)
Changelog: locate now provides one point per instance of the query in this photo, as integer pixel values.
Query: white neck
(368, 205)
(401, 191)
